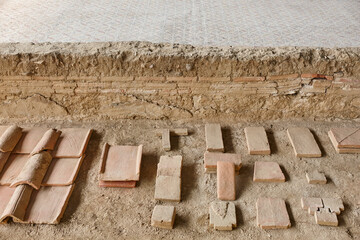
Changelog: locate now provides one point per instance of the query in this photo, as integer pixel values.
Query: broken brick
(268, 172)
(118, 184)
(226, 189)
(311, 204)
(213, 135)
(163, 217)
(170, 166)
(315, 177)
(222, 216)
(272, 213)
(334, 204)
(326, 218)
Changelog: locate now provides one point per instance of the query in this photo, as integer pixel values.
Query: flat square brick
(213, 136)
(303, 142)
(226, 189)
(315, 177)
(268, 172)
(257, 141)
(170, 166)
(334, 204)
(163, 217)
(326, 218)
(345, 140)
(168, 188)
(311, 204)
(222, 216)
(211, 159)
(272, 213)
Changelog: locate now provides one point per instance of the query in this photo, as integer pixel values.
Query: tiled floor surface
(322, 23)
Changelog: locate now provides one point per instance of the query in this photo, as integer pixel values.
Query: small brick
(283, 77)
(268, 172)
(261, 85)
(170, 166)
(311, 204)
(315, 75)
(249, 79)
(165, 140)
(222, 216)
(257, 141)
(226, 189)
(214, 79)
(272, 213)
(168, 188)
(326, 218)
(321, 83)
(163, 217)
(334, 204)
(213, 135)
(118, 184)
(303, 142)
(211, 159)
(316, 177)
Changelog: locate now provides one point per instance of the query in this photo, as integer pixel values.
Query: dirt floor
(105, 213)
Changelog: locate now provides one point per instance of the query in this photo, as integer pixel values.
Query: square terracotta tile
(257, 141)
(48, 205)
(72, 142)
(121, 163)
(165, 140)
(315, 177)
(29, 139)
(346, 137)
(163, 217)
(12, 168)
(62, 171)
(303, 142)
(272, 213)
(222, 216)
(211, 159)
(326, 218)
(168, 188)
(268, 172)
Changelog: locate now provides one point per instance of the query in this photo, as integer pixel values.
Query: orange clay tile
(62, 171)
(345, 137)
(12, 168)
(272, 213)
(303, 142)
(226, 181)
(72, 142)
(47, 142)
(211, 159)
(118, 184)
(3, 159)
(5, 195)
(29, 139)
(268, 172)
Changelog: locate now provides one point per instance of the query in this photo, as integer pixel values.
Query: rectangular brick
(165, 140)
(226, 189)
(222, 216)
(249, 79)
(283, 77)
(272, 213)
(213, 136)
(303, 142)
(214, 79)
(15, 78)
(257, 141)
(150, 79)
(261, 84)
(117, 79)
(48, 78)
(315, 75)
(181, 79)
(211, 159)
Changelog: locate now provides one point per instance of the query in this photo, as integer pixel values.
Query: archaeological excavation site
(180, 119)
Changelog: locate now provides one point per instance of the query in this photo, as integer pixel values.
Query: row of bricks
(178, 79)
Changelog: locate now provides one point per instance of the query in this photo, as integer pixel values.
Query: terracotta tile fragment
(163, 217)
(72, 142)
(62, 171)
(311, 204)
(211, 159)
(345, 140)
(213, 136)
(170, 166)
(18, 203)
(272, 213)
(29, 139)
(326, 218)
(168, 188)
(226, 181)
(257, 141)
(165, 140)
(10, 138)
(47, 142)
(118, 184)
(334, 204)
(34, 170)
(315, 177)
(3, 158)
(48, 205)
(268, 172)
(12, 168)
(303, 142)
(222, 216)
(121, 163)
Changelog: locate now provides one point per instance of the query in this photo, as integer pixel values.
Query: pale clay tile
(257, 141)
(168, 188)
(226, 189)
(12, 168)
(268, 172)
(211, 159)
(6, 193)
(303, 142)
(170, 166)
(213, 136)
(315, 177)
(346, 137)
(163, 217)
(334, 204)
(165, 140)
(222, 216)
(10, 138)
(47, 142)
(117, 184)
(311, 204)
(326, 218)
(272, 213)
(29, 139)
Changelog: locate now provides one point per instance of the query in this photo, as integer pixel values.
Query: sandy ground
(105, 213)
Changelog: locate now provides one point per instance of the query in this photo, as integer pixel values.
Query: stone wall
(109, 81)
